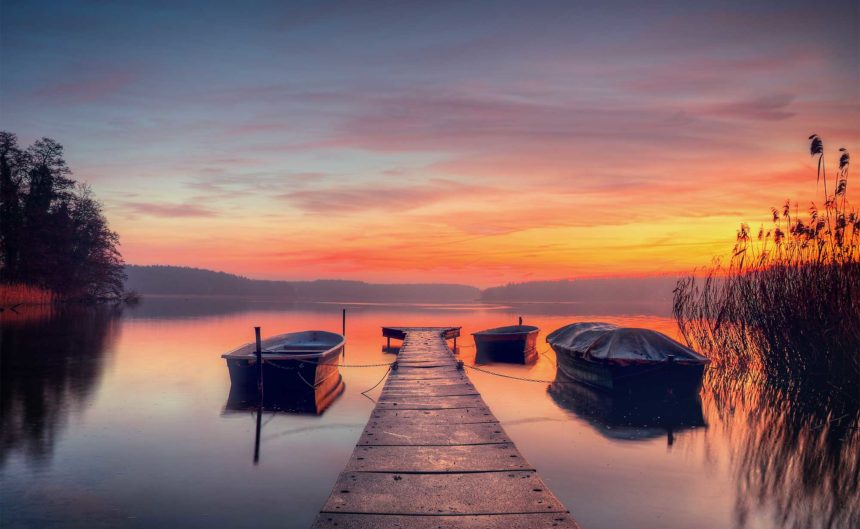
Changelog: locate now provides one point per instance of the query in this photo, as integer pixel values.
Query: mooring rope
(318, 384)
(272, 362)
(365, 392)
(524, 379)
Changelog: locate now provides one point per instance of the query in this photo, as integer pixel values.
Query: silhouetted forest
(52, 231)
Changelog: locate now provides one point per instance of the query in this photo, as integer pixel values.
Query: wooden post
(343, 323)
(521, 321)
(259, 425)
(388, 346)
(259, 355)
(455, 344)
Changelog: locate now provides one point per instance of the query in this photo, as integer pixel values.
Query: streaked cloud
(164, 209)
(404, 141)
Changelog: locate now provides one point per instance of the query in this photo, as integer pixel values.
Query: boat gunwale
(527, 329)
(297, 355)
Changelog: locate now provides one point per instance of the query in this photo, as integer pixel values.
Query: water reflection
(312, 400)
(164, 432)
(52, 360)
(621, 416)
(794, 450)
(170, 307)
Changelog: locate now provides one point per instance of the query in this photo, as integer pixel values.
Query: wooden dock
(433, 456)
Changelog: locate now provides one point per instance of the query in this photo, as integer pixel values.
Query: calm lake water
(118, 419)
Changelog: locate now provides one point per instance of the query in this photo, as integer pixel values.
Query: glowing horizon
(480, 144)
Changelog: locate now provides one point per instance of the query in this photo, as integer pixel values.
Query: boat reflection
(626, 417)
(310, 400)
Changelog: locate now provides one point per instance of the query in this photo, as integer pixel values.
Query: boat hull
(664, 377)
(515, 348)
(287, 375)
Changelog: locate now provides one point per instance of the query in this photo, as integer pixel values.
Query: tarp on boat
(605, 342)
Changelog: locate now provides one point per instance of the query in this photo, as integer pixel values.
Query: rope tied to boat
(318, 384)
(524, 379)
(300, 362)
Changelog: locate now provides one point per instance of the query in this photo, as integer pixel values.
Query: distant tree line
(52, 230)
(168, 280)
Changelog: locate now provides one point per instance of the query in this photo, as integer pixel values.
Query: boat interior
(511, 329)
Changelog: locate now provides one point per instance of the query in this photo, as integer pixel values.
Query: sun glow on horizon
(422, 147)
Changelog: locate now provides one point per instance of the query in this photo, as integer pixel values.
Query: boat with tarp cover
(616, 358)
(294, 362)
(514, 344)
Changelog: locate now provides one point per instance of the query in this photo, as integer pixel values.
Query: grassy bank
(16, 294)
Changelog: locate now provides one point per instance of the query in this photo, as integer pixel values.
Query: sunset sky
(476, 142)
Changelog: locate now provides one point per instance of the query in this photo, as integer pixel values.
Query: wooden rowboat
(514, 344)
(294, 362)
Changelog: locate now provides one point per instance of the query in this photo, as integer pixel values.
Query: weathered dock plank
(423, 403)
(399, 433)
(514, 492)
(496, 521)
(434, 456)
(443, 416)
(438, 459)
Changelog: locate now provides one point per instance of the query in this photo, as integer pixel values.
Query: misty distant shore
(159, 280)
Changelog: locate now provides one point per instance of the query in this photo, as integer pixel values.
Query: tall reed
(787, 301)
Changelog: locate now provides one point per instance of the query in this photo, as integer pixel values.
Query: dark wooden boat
(294, 362)
(626, 359)
(514, 344)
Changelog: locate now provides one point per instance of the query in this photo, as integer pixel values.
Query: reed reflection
(794, 449)
(52, 361)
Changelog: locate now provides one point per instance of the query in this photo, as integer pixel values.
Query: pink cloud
(164, 209)
(389, 197)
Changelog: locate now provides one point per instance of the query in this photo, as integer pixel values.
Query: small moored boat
(515, 344)
(617, 358)
(297, 361)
